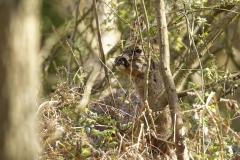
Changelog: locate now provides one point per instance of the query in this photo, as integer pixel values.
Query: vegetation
(78, 52)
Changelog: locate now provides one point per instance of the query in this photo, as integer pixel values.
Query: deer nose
(121, 61)
(116, 61)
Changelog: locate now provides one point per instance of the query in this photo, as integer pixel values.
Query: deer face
(132, 61)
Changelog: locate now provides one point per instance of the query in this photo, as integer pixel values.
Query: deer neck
(155, 84)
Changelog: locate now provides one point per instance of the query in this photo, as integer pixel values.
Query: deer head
(132, 61)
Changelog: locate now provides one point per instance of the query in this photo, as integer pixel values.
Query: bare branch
(202, 49)
(209, 85)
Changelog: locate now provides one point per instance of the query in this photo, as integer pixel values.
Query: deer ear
(142, 25)
(138, 24)
(154, 41)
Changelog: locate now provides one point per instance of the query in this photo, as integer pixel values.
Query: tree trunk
(180, 144)
(19, 82)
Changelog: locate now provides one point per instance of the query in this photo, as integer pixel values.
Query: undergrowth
(66, 134)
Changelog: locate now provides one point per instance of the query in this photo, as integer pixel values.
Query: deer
(133, 63)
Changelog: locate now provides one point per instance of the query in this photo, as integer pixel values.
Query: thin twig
(140, 133)
(149, 112)
(145, 98)
(102, 52)
(202, 49)
(122, 144)
(75, 24)
(188, 92)
(71, 40)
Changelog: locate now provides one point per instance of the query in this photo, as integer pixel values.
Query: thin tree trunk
(182, 153)
(19, 82)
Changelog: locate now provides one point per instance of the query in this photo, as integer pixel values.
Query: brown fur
(127, 106)
(134, 64)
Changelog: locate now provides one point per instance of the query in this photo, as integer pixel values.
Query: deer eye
(138, 51)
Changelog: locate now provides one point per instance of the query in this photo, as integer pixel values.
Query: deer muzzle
(121, 63)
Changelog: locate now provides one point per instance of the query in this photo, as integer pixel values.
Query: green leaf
(85, 152)
(111, 144)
